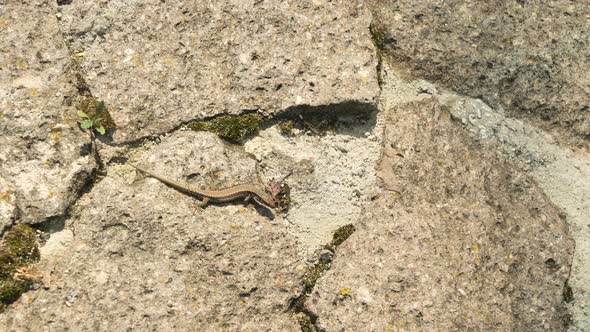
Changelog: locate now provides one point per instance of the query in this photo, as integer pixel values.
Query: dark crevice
(331, 117)
(307, 319)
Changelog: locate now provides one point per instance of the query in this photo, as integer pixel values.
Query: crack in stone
(306, 318)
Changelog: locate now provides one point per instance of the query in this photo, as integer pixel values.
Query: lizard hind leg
(139, 175)
(204, 201)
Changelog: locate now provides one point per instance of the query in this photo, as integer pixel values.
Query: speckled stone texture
(45, 159)
(160, 65)
(145, 256)
(527, 56)
(460, 241)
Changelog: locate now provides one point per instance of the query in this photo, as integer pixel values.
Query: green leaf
(86, 124)
(98, 120)
(100, 129)
(99, 107)
(83, 115)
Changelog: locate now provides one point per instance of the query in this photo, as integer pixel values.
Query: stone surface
(8, 210)
(144, 256)
(333, 174)
(561, 173)
(526, 56)
(158, 66)
(44, 157)
(461, 241)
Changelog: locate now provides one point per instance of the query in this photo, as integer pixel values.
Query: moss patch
(233, 128)
(286, 127)
(313, 274)
(305, 323)
(18, 248)
(340, 235)
(379, 42)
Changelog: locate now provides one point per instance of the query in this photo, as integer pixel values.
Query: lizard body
(245, 191)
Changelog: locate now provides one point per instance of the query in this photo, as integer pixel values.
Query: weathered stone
(158, 65)
(466, 242)
(145, 256)
(8, 211)
(527, 56)
(43, 153)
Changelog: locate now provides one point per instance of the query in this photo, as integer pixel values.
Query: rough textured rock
(44, 157)
(160, 65)
(332, 174)
(8, 211)
(461, 242)
(527, 56)
(144, 256)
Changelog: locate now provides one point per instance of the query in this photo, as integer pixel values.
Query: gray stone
(326, 256)
(526, 56)
(238, 269)
(43, 154)
(432, 257)
(160, 65)
(8, 210)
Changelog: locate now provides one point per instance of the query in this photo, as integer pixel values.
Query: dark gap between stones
(307, 319)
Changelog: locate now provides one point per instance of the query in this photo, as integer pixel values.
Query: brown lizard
(265, 196)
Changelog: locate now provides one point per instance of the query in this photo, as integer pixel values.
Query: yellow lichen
(33, 92)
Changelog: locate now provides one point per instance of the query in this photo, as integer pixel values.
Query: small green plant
(96, 121)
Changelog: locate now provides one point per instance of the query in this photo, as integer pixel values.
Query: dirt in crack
(307, 319)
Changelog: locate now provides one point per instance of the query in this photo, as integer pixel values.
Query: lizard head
(278, 192)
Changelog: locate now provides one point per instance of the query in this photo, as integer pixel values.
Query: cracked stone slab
(563, 175)
(145, 256)
(525, 56)
(158, 65)
(45, 158)
(459, 240)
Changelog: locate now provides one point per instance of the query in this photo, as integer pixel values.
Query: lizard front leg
(204, 201)
(247, 199)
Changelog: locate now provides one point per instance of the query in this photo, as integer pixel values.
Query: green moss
(313, 274)
(234, 128)
(305, 323)
(21, 244)
(379, 42)
(377, 36)
(341, 234)
(18, 249)
(11, 290)
(286, 127)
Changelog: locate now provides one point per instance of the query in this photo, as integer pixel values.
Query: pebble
(326, 256)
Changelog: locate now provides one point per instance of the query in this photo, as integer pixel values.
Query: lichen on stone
(18, 248)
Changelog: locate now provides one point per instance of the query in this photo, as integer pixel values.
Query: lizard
(267, 195)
